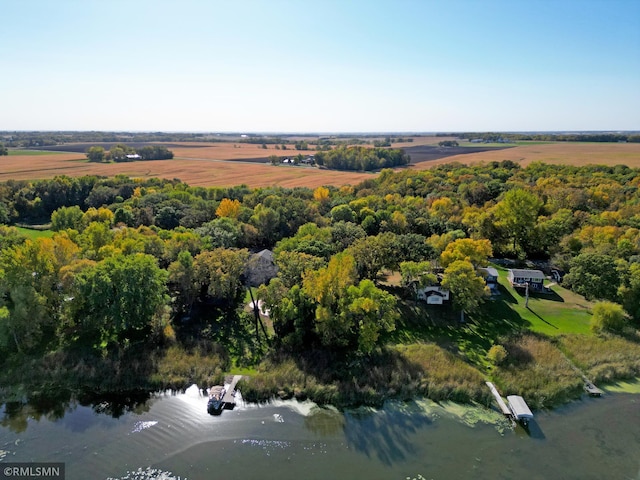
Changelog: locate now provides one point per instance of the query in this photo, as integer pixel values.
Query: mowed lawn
(552, 314)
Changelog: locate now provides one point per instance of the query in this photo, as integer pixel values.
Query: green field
(33, 234)
(32, 152)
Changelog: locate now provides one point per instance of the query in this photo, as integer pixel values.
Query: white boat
(520, 409)
(215, 403)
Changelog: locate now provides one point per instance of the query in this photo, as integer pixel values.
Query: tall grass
(604, 358)
(402, 372)
(538, 371)
(178, 367)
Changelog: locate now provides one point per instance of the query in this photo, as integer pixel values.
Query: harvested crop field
(196, 172)
(564, 153)
(222, 164)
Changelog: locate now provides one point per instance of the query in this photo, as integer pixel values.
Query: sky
(320, 66)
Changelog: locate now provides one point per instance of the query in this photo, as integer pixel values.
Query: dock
(503, 406)
(229, 399)
(591, 389)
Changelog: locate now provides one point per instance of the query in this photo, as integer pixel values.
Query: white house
(433, 294)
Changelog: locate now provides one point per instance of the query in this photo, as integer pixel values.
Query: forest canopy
(186, 250)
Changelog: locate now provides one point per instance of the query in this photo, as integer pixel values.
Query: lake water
(591, 438)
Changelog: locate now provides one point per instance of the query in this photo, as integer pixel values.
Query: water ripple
(139, 426)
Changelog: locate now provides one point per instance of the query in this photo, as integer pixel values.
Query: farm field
(562, 153)
(196, 172)
(222, 164)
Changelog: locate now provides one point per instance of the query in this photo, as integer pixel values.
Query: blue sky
(323, 66)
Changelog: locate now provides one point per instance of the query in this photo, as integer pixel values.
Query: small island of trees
(126, 153)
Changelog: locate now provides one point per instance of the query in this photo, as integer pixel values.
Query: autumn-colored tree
(327, 287)
(348, 314)
(475, 251)
(228, 208)
(321, 194)
(467, 288)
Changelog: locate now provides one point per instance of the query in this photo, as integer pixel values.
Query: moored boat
(520, 409)
(215, 403)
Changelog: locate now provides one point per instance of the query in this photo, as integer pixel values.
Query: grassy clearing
(33, 234)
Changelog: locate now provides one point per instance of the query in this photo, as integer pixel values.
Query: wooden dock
(506, 411)
(591, 389)
(229, 399)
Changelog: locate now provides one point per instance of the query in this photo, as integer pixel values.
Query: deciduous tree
(467, 288)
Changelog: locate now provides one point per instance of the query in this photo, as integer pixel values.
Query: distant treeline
(362, 158)
(36, 139)
(42, 139)
(549, 137)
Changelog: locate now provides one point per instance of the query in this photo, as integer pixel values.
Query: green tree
(371, 311)
(348, 314)
(182, 282)
(30, 290)
(3, 150)
(67, 217)
(373, 253)
(221, 232)
(342, 213)
(467, 288)
(292, 313)
(629, 292)
(594, 276)
(517, 213)
(117, 299)
(608, 316)
(96, 154)
(417, 274)
(219, 274)
(293, 265)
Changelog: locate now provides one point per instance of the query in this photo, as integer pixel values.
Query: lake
(592, 438)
